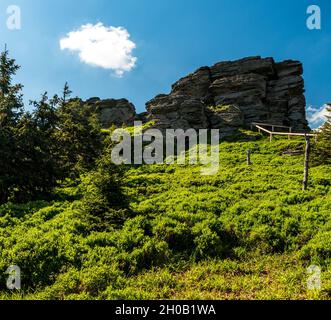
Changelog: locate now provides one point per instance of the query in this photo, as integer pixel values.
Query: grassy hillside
(248, 232)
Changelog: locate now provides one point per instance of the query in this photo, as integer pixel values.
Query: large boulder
(257, 65)
(194, 85)
(116, 112)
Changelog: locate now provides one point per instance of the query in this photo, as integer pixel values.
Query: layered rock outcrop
(113, 112)
(233, 94)
(226, 96)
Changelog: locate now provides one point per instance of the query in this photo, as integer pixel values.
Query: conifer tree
(78, 135)
(324, 140)
(11, 105)
(11, 109)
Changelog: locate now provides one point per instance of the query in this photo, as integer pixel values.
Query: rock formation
(225, 96)
(113, 112)
(235, 93)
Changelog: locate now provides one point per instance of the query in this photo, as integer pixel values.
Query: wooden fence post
(289, 136)
(306, 169)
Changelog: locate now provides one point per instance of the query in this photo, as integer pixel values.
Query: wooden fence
(272, 133)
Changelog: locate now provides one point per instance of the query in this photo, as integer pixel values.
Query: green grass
(267, 277)
(131, 130)
(248, 232)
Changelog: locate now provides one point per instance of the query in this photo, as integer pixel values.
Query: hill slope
(247, 232)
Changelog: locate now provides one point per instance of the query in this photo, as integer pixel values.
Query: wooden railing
(273, 126)
(272, 133)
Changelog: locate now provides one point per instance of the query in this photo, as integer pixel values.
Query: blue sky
(172, 38)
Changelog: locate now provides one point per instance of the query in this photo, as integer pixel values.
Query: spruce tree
(11, 105)
(78, 135)
(11, 109)
(324, 140)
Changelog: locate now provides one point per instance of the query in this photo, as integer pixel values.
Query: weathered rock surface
(226, 96)
(228, 117)
(233, 94)
(177, 111)
(114, 112)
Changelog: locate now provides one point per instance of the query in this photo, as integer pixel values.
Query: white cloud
(102, 46)
(317, 116)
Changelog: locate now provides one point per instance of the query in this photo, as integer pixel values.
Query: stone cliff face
(225, 96)
(235, 93)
